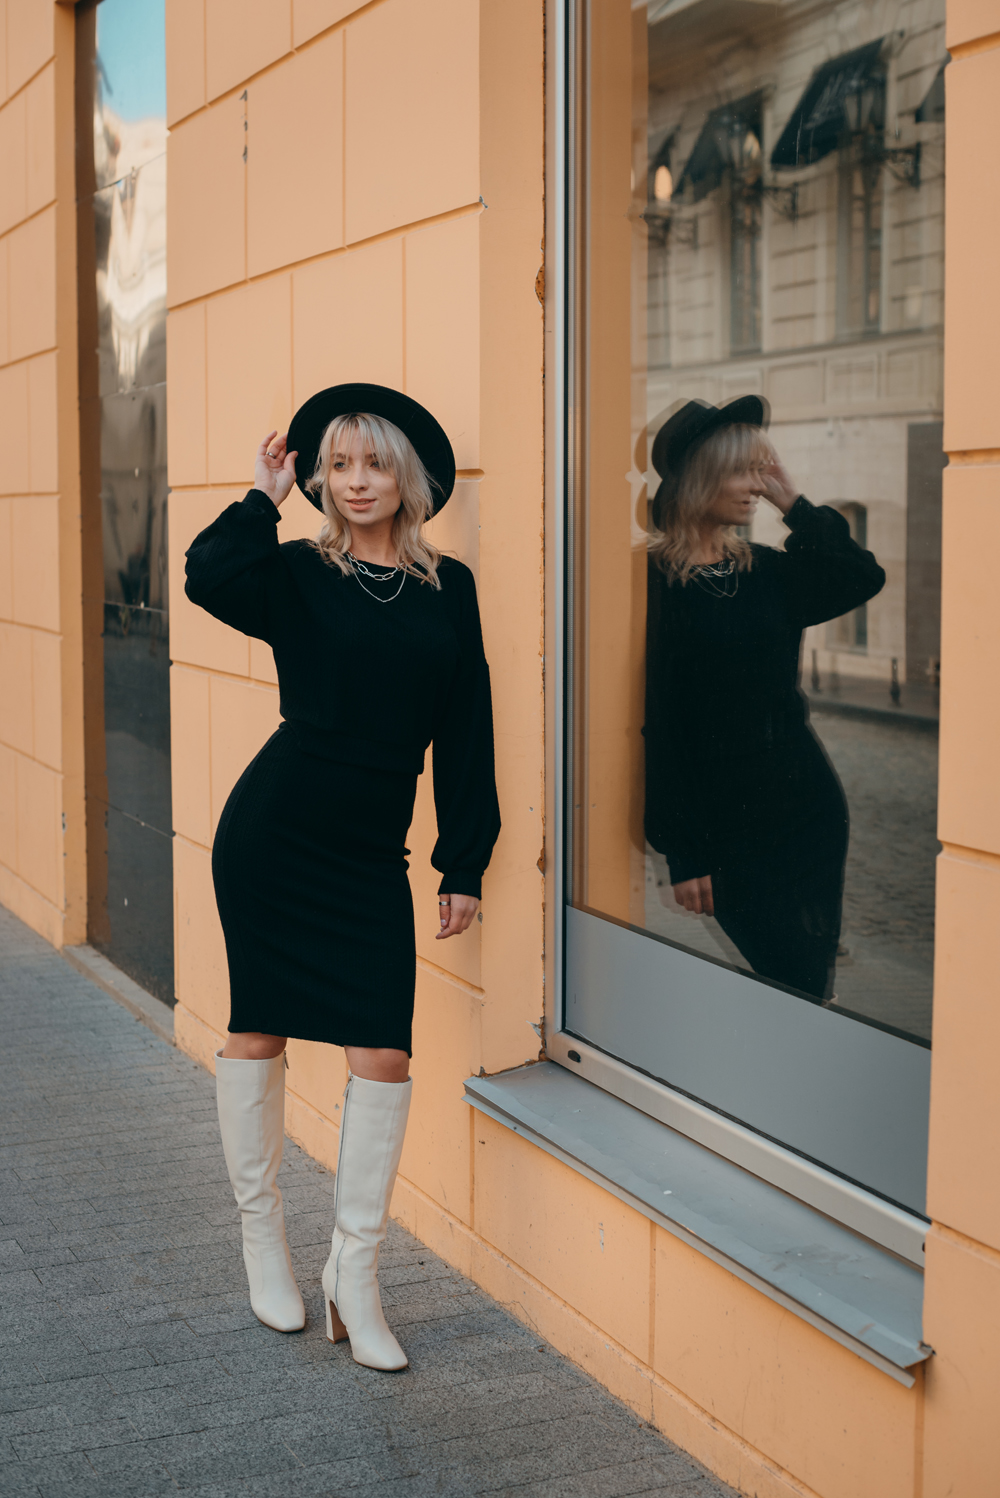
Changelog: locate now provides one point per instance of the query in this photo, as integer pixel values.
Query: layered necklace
(721, 579)
(361, 569)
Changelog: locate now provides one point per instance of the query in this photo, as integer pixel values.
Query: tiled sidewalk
(131, 1363)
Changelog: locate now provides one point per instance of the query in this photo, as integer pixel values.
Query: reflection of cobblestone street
(889, 772)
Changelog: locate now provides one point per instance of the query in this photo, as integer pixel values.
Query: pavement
(130, 1362)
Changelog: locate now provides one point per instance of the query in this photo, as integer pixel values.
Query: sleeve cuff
(461, 882)
(799, 511)
(257, 502)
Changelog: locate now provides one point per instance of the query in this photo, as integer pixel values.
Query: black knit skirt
(310, 879)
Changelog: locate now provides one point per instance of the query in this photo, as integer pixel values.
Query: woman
(378, 648)
(740, 796)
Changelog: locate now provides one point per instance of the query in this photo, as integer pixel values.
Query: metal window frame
(883, 1222)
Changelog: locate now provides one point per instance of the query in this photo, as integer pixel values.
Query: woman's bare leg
(249, 1045)
(377, 1064)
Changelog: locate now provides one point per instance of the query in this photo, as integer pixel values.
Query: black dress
(309, 859)
(737, 784)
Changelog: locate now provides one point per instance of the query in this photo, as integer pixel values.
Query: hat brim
(688, 428)
(428, 437)
(696, 421)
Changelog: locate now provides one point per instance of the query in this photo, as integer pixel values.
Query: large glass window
(755, 210)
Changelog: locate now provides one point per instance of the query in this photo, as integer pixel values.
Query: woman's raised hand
(777, 485)
(274, 470)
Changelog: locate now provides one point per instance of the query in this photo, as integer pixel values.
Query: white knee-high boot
(251, 1096)
(371, 1142)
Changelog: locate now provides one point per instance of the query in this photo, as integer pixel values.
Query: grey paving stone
(130, 1362)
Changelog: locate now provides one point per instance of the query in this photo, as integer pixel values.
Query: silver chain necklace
(709, 574)
(376, 577)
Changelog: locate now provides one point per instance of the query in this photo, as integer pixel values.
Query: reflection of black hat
(430, 443)
(688, 428)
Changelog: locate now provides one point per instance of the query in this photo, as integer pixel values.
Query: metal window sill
(863, 1296)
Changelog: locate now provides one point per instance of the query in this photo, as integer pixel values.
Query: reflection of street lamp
(864, 114)
(658, 214)
(739, 147)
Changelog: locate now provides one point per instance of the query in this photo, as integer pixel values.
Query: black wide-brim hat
(688, 428)
(428, 437)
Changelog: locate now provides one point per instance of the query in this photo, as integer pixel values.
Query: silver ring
(444, 902)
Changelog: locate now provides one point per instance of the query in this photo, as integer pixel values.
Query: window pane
(755, 675)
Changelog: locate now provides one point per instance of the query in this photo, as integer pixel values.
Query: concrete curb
(153, 1013)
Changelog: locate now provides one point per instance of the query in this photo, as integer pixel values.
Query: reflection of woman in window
(740, 797)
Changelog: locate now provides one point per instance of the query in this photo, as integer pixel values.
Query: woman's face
(365, 494)
(736, 501)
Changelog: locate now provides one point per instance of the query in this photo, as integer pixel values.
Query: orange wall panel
(582, 1243)
(972, 227)
(15, 688)
(241, 37)
(412, 145)
(969, 807)
(310, 17)
(30, 39)
(242, 717)
(196, 638)
(818, 1410)
(249, 375)
(7, 558)
(46, 707)
(185, 58)
(13, 154)
(187, 396)
(437, 1153)
(35, 547)
(43, 430)
(295, 160)
(41, 143)
(202, 977)
(39, 829)
(349, 319)
(32, 250)
(190, 763)
(968, 20)
(206, 190)
(8, 807)
(965, 1104)
(4, 298)
(442, 329)
(962, 1324)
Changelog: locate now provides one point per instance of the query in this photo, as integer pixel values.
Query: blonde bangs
(395, 454)
(729, 450)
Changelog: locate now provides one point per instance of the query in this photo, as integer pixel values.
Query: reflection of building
(796, 209)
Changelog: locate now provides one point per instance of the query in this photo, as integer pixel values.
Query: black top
(722, 674)
(364, 682)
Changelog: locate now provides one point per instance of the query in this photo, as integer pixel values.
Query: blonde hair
(396, 455)
(728, 451)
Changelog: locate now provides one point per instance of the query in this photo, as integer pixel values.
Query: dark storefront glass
(758, 199)
(131, 889)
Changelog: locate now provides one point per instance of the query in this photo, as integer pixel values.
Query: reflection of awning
(931, 110)
(709, 159)
(818, 121)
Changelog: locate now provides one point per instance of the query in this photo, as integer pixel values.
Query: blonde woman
(378, 649)
(740, 796)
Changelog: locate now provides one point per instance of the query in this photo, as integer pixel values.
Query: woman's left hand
(777, 485)
(457, 913)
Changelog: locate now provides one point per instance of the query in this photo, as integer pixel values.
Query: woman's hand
(274, 470)
(457, 912)
(696, 895)
(777, 485)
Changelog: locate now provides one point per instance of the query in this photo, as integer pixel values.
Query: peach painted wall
(42, 839)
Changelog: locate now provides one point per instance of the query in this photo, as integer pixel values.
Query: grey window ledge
(846, 1286)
